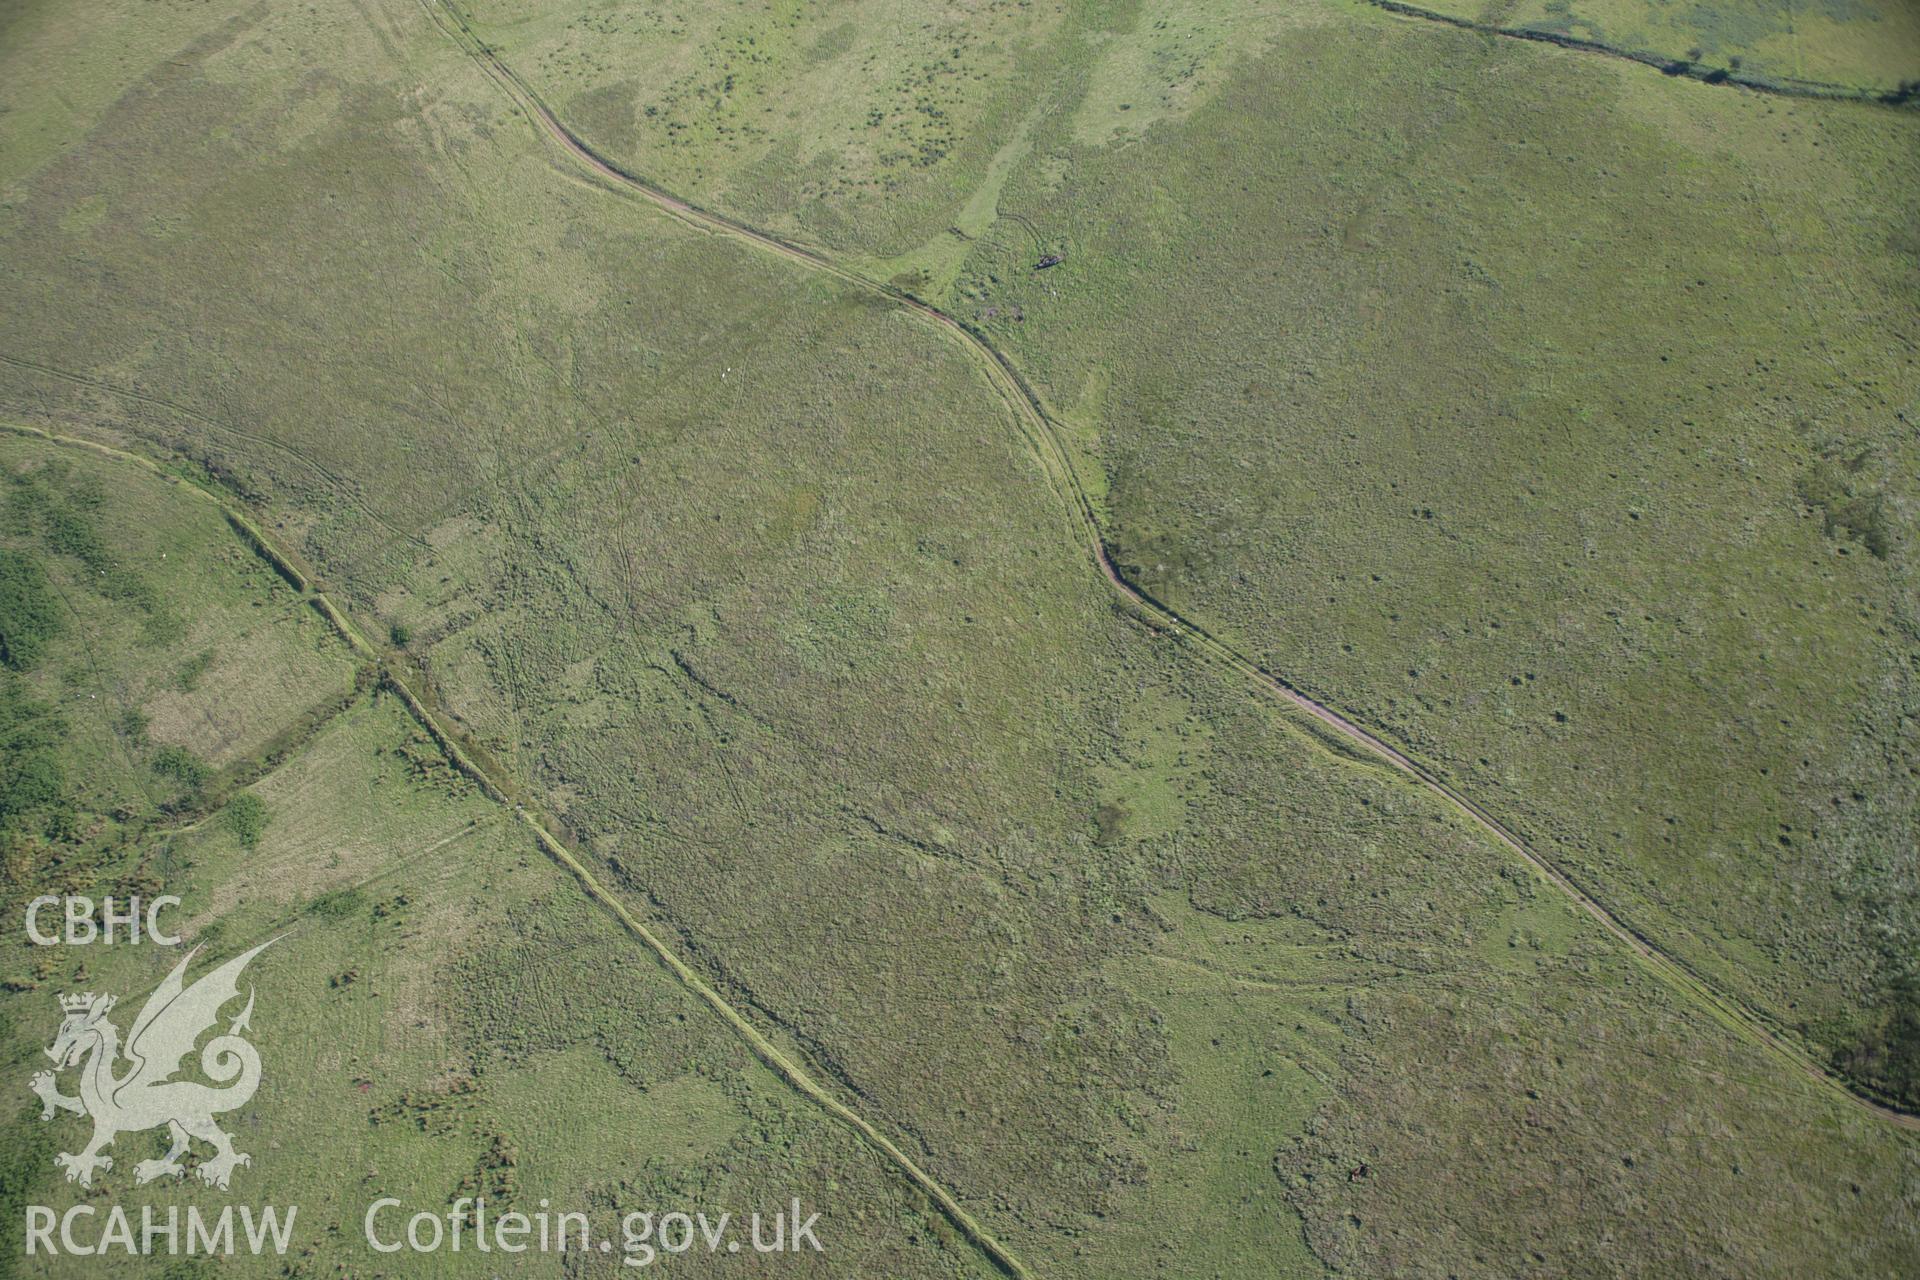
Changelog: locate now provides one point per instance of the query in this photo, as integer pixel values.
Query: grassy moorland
(750, 581)
(1568, 456)
(880, 130)
(1583, 476)
(1260, 1005)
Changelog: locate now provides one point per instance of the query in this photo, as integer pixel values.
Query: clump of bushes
(1825, 487)
(34, 781)
(246, 817)
(29, 611)
(33, 786)
(180, 764)
(1885, 1055)
(66, 524)
(187, 679)
(338, 904)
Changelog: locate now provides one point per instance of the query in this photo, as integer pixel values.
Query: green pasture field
(173, 655)
(443, 1014)
(441, 1011)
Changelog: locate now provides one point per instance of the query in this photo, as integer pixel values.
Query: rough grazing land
(1547, 415)
(1561, 439)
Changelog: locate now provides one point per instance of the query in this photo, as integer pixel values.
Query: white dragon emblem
(146, 1096)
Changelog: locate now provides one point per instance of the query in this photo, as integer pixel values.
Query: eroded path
(1044, 436)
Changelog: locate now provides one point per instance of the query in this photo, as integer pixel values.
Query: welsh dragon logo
(145, 1095)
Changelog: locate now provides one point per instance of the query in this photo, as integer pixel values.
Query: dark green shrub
(246, 817)
(182, 766)
(29, 611)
